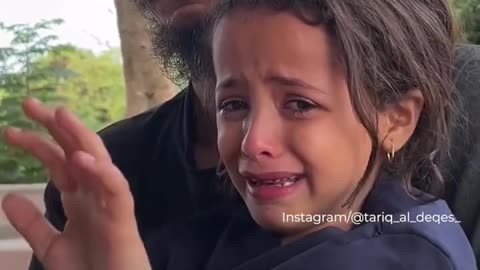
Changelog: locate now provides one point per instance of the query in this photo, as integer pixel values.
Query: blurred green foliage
(468, 14)
(33, 65)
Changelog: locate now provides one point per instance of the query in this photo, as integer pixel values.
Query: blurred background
(94, 57)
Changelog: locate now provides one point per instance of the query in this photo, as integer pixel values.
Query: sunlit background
(89, 24)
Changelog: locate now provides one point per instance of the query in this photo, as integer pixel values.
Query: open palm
(101, 231)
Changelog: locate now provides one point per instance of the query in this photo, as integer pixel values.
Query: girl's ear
(398, 121)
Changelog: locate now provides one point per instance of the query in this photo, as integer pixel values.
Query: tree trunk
(146, 85)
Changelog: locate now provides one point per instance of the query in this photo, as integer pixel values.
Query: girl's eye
(232, 106)
(300, 105)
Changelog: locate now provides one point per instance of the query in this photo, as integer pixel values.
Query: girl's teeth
(288, 183)
(283, 182)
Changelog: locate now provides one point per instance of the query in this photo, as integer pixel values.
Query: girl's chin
(274, 219)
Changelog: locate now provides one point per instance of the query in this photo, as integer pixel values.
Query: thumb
(30, 223)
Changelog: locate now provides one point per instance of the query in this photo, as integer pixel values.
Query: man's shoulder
(132, 140)
(465, 56)
(465, 51)
(144, 128)
(467, 82)
(141, 123)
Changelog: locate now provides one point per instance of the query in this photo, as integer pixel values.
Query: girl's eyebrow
(293, 81)
(229, 83)
(232, 82)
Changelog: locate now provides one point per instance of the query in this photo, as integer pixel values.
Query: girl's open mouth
(280, 182)
(274, 188)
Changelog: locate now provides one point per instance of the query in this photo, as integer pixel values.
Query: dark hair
(146, 10)
(387, 48)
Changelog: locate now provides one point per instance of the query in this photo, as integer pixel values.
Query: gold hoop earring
(391, 154)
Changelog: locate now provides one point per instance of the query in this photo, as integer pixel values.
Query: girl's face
(287, 133)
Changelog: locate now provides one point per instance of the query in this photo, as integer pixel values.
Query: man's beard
(183, 51)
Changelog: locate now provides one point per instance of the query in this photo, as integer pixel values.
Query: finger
(106, 176)
(34, 110)
(85, 139)
(50, 154)
(104, 179)
(29, 222)
(86, 182)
